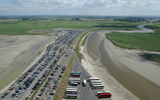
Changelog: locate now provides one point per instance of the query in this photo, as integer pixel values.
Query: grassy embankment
(34, 93)
(79, 55)
(64, 82)
(84, 41)
(20, 27)
(145, 41)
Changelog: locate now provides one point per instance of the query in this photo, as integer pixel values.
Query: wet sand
(96, 69)
(134, 82)
(17, 54)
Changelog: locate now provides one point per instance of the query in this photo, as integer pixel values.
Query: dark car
(52, 74)
(54, 87)
(42, 89)
(60, 76)
(52, 93)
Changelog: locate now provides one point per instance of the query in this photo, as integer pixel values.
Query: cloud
(18, 2)
(100, 2)
(138, 3)
(84, 7)
(45, 2)
(62, 2)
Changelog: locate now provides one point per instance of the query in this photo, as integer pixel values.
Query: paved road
(62, 62)
(86, 93)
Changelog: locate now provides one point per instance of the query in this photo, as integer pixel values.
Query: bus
(73, 84)
(73, 89)
(78, 82)
(104, 95)
(71, 92)
(92, 78)
(84, 83)
(70, 96)
(75, 72)
(95, 81)
(101, 92)
(74, 79)
(97, 86)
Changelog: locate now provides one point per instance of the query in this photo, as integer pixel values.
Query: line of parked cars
(52, 92)
(26, 80)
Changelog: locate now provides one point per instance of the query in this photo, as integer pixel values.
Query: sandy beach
(130, 64)
(18, 53)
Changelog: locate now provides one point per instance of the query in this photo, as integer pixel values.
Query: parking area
(81, 87)
(30, 81)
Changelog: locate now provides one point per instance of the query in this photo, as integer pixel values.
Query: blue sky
(80, 7)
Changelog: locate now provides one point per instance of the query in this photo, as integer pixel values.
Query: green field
(145, 41)
(19, 27)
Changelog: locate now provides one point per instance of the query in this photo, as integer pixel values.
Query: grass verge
(64, 82)
(84, 41)
(34, 93)
(79, 55)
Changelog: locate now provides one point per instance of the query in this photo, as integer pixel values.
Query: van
(84, 83)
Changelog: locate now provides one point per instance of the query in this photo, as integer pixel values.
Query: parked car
(60, 76)
(42, 89)
(50, 98)
(52, 93)
(40, 94)
(54, 87)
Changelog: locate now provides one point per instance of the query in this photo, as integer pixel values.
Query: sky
(81, 7)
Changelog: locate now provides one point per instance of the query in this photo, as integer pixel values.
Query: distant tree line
(75, 18)
(78, 17)
(130, 19)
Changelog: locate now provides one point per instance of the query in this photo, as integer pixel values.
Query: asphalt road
(85, 93)
(62, 62)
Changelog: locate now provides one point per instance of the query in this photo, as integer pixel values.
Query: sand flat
(132, 71)
(18, 52)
